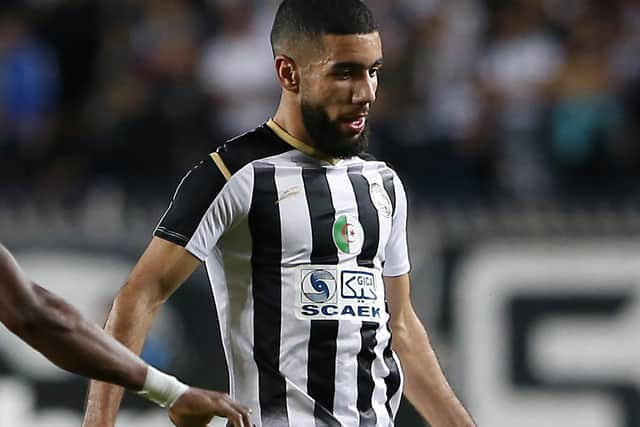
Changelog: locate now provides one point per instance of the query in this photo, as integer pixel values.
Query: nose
(364, 91)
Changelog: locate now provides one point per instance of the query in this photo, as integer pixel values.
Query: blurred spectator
(521, 56)
(147, 117)
(29, 90)
(237, 71)
(624, 50)
(29, 86)
(447, 47)
(585, 114)
(164, 39)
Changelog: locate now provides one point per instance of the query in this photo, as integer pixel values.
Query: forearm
(129, 322)
(59, 332)
(425, 384)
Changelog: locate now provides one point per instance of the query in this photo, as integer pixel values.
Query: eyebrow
(356, 65)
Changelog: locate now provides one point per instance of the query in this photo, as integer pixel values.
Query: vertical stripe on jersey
(349, 342)
(264, 224)
(394, 400)
(393, 380)
(296, 247)
(366, 356)
(387, 183)
(323, 214)
(368, 217)
(321, 368)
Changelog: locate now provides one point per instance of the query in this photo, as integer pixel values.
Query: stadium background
(515, 125)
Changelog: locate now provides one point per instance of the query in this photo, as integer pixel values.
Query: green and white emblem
(348, 234)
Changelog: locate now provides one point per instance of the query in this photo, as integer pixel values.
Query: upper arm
(162, 268)
(201, 210)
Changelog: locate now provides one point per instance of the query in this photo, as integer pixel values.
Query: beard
(326, 135)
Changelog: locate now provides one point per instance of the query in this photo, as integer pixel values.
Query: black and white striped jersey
(296, 248)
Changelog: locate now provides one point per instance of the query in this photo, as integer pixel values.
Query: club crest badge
(381, 200)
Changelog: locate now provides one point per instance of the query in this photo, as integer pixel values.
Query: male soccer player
(304, 240)
(58, 331)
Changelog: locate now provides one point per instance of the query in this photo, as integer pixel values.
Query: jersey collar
(299, 145)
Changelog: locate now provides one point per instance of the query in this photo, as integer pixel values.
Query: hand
(196, 407)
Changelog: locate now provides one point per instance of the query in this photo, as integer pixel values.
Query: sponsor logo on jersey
(318, 286)
(359, 286)
(348, 234)
(356, 296)
(380, 200)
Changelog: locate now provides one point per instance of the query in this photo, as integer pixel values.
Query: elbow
(400, 337)
(407, 332)
(141, 293)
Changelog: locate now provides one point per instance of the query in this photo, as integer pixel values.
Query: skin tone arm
(57, 330)
(425, 385)
(162, 268)
(60, 333)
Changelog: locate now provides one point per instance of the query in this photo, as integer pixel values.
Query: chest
(321, 215)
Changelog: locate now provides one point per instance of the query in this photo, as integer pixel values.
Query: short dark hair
(307, 20)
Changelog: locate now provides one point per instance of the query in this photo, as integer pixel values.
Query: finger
(236, 419)
(244, 412)
(246, 418)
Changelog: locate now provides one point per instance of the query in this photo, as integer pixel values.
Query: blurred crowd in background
(522, 100)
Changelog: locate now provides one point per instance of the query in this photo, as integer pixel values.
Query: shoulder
(200, 184)
(384, 168)
(372, 162)
(256, 144)
(207, 178)
(218, 174)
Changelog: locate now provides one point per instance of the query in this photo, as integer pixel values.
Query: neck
(289, 117)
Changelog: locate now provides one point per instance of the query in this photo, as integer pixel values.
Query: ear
(288, 73)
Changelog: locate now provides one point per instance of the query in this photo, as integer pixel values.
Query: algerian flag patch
(348, 234)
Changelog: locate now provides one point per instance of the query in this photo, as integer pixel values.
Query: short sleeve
(396, 251)
(204, 206)
(191, 200)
